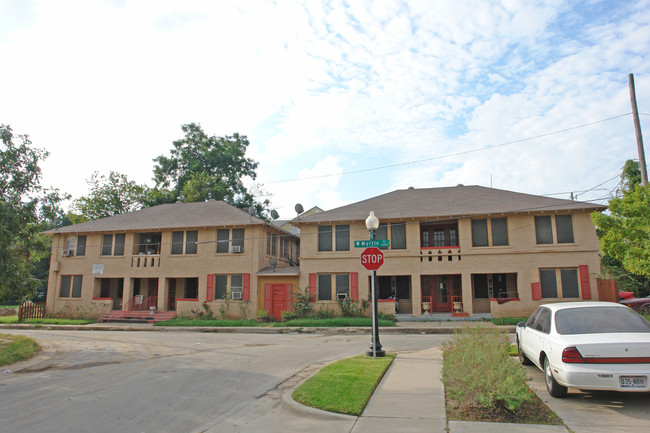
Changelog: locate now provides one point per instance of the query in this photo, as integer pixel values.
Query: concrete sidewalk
(411, 398)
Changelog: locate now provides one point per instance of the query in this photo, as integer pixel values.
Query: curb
(246, 330)
(301, 409)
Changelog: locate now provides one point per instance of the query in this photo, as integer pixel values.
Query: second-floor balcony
(439, 235)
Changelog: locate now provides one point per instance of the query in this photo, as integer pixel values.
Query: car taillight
(570, 355)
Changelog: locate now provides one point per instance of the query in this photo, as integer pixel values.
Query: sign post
(372, 259)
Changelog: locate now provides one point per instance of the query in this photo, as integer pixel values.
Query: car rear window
(598, 320)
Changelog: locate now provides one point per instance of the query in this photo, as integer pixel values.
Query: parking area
(596, 411)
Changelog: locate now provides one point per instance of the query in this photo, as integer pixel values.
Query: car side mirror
(521, 325)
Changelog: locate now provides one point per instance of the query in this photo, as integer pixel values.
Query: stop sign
(372, 258)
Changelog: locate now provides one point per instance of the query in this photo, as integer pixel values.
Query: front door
(278, 300)
(441, 297)
(439, 289)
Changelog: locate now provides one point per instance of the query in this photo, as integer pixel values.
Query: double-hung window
(333, 286)
(341, 234)
(559, 283)
(230, 240)
(228, 286)
(71, 286)
(562, 225)
(397, 235)
(107, 244)
(486, 232)
(185, 242)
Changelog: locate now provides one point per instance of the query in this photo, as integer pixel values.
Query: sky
(341, 101)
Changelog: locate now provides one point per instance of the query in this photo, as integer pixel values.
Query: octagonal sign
(372, 258)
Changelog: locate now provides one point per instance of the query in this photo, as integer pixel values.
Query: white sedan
(587, 345)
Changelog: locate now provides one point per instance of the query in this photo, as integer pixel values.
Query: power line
(559, 131)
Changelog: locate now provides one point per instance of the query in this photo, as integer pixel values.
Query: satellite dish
(299, 209)
(274, 214)
(251, 211)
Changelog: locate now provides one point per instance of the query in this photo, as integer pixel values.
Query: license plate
(632, 381)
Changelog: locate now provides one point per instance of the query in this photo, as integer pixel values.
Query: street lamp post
(372, 224)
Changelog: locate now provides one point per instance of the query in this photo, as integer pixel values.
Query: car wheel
(645, 309)
(553, 388)
(522, 358)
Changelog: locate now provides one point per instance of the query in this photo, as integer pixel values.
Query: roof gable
(450, 202)
(168, 216)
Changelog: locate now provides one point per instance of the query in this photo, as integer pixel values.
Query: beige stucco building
(465, 250)
(175, 257)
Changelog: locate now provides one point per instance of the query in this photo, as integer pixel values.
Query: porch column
(127, 292)
(416, 294)
(466, 283)
(163, 294)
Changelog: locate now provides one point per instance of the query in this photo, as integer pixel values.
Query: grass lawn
(344, 386)
(303, 323)
(6, 320)
(180, 321)
(14, 348)
(335, 322)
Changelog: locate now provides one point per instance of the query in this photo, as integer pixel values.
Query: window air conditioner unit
(67, 253)
(236, 295)
(236, 249)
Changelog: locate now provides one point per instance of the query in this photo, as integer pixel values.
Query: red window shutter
(584, 281)
(354, 286)
(210, 289)
(313, 290)
(246, 289)
(537, 291)
(289, 306)
(267, 297)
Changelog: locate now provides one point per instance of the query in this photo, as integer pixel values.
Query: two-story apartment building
(467, 249)
(174, 257)
(464, 249)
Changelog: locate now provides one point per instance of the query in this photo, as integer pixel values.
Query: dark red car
(625, 295)
(642, 305)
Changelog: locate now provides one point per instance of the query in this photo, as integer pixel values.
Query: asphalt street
(107, 381)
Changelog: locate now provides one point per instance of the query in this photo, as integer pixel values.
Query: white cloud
(106, 85)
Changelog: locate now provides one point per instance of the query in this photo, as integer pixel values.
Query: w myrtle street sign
(382, 243)
(372, 258)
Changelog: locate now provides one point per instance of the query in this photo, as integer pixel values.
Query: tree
(26, 210)
(112, 195)
(624, 233)
(203, 167)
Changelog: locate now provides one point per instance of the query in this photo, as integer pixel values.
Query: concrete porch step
(137, 316)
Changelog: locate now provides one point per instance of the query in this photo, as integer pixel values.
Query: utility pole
(637, 130)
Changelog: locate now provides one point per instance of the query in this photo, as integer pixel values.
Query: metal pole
(637, 130)
(375, 345)
(374, 317)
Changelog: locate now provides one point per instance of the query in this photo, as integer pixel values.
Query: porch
(441, 317)
(138, 309)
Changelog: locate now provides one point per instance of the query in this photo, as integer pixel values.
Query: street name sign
(372, 258)
(381, 243)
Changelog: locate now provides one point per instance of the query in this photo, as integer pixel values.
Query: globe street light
(372, 224)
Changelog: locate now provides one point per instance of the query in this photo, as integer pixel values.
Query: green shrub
(508, 320)
(478, 372)
(350, 308)
(302, 306)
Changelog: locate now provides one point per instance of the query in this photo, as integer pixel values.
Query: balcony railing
(145, 261)
(139, 303)
(440, 254)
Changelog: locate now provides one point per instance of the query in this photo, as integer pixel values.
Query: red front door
(441, 295)
(278, 300)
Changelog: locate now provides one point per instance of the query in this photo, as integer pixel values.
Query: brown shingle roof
(168, 216)
(451, 202)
